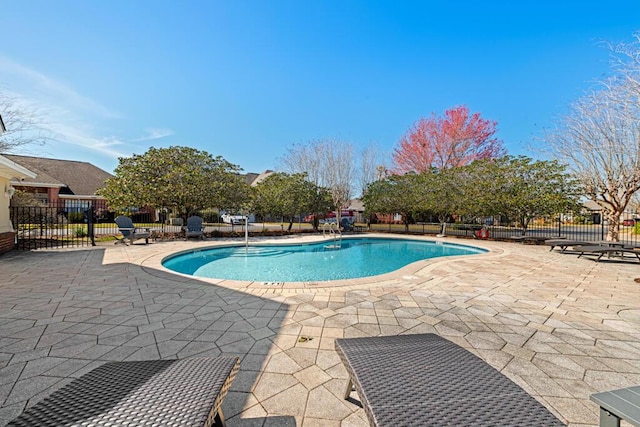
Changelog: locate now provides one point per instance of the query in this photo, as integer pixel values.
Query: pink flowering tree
(456, 139)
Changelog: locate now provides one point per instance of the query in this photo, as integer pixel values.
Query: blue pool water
(321, 261)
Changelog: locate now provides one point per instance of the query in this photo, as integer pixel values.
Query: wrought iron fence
(83, 223)
(563, 226)
(66, 223)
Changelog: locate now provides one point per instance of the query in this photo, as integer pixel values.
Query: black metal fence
(66, 223)
(538, 230)
(83, 223)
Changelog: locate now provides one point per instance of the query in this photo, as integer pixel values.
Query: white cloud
(73, 119)
(153, 134)
(42, 90)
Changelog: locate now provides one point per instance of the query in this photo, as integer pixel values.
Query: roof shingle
(81, 178)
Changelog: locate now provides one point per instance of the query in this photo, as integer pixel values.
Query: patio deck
(560, 327)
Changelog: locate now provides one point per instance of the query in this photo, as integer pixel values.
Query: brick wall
(7, 241)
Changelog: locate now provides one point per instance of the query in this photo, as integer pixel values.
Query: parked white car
(233, 219)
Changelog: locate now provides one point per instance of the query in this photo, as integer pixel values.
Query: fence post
(91, 215)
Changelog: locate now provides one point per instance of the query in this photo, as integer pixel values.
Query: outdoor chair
(184, 392)
(611, 251)
(194, 227)
(130, 232)
(564, 244)
(426, 380)
(346, 224)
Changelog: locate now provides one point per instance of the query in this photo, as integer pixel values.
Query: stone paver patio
(559, 326)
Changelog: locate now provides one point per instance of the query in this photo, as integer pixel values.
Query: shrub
(79, 232)
(75, 217)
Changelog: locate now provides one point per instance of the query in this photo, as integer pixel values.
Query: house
(10, 172)
(66, 184)
(254, 179)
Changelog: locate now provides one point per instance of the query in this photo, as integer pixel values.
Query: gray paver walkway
(559, 326)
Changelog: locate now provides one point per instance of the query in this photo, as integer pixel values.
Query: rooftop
(74, 177)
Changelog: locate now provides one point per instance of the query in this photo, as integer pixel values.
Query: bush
(79, 232)
(210, 215)
(75, 217)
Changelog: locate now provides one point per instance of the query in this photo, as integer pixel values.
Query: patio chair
(564, 244)
(130, 232)
(194, 227)
(184, 392)
(426, 380)
(611, 251)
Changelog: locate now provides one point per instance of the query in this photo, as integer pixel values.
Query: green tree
(281, 194)
(181, 178)
(396, 194)
(441, 194)
(521, 189)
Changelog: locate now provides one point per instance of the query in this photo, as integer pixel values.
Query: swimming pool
(321, 261)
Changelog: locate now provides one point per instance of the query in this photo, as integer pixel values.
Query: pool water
(327, 260)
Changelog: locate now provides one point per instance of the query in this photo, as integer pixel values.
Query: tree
(371, 167)
(599, 138)
(327, 163)
(442, 194)
(520, 188)
(285, 195)
(181, 178)
(456, 139)
(22, 123)
(397, 194)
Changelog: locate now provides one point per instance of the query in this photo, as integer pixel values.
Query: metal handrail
(332, 233)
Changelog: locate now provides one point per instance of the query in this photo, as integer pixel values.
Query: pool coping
(153, 263)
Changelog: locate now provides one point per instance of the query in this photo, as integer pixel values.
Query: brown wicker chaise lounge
(186, 392)
(600, 251)
(426, 380)
(563, 244)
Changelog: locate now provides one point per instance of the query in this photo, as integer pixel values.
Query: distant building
(60, 182)
(254, 179)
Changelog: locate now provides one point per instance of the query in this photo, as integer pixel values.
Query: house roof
(10, 169)
(73, 177)
(254, 179)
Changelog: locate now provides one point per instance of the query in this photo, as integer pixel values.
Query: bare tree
(599, 138)
(328, 163)
(23, 125)
(371, 163)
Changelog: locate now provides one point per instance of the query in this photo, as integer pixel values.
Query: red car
(629, 222)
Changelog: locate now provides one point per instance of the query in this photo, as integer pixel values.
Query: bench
(426, 380)
(186, 392)
(616, 405)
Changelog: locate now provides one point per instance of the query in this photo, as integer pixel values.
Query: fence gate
(51, 226)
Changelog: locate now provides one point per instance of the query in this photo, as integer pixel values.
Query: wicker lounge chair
(186, 392)
(130, 232)
(611, 251)
(563, 244)
(426, 380)
(194, 227)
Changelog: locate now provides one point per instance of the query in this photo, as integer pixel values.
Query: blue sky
(246, 79)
